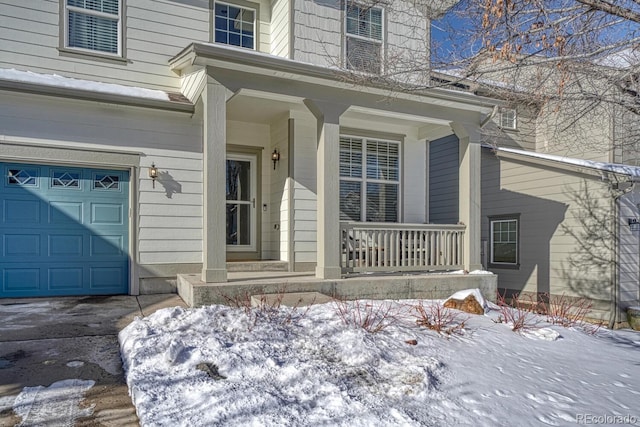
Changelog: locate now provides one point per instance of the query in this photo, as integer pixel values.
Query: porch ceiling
(264, 108)
(256, 109)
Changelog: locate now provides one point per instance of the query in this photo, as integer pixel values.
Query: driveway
(60, 359)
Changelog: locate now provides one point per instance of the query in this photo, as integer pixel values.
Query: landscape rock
(469, 305)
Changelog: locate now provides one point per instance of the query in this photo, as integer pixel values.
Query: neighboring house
(559, 215)
(141, 139)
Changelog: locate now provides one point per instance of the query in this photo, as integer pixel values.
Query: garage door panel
(106, 246)
(65, 278)
(21, 245)
(65, 213)
(20, 279)
(21, 211)
(64, 231)
(66, 245)
(105, 277)
(106, 214)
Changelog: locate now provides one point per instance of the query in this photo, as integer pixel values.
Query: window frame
(64, 31)
(255, 7)
(504, 218)
(346, 35)
(363, 180)
(504, 111)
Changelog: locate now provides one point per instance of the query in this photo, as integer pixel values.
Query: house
(560, 204)
(148, 142)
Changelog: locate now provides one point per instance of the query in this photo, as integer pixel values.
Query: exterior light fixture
(275, 157)
(153, 174)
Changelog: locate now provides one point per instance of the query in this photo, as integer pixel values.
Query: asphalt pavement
(60, 359)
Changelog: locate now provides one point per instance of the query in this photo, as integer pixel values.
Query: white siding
(156, 30)
(169, 216)
(304, 191)
(276, 245)
(317, 32)
(407, 43)
(281, 28)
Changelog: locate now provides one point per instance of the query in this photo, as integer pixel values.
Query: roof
(632, 172)
(53, 84)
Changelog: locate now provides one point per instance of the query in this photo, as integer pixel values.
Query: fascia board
(87, 95)
(261, 63)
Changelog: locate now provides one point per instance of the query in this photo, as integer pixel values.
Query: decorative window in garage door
(22, 177)
(64, 179)
(106, 182)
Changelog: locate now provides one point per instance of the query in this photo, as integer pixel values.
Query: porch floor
(244, 285)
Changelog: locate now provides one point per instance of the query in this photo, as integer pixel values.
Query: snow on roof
(631, 171)
(55, 80)
(622, 59)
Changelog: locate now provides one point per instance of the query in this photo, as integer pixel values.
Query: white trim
(346, 35)
(252, 202)
(255, 24)
(363, 180)
(506, 219)
(80, 10)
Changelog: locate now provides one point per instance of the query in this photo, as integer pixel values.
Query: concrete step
(240, 266)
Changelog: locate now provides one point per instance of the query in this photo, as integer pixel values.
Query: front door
(241, 202)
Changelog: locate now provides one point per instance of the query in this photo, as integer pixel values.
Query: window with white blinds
(364, 31)
(94, 25)
(369, 179)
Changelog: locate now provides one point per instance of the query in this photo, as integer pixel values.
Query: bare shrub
(519, 315)
(267, 309)
(371, 316)
(571, 312)
(439, 318)
(567, 311)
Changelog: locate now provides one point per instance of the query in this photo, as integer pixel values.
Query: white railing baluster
(370, 247)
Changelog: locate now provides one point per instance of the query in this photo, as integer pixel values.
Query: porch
(340, 151)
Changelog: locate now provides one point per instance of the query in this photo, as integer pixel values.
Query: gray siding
(629, 248)
(563, 245)
(443, 180)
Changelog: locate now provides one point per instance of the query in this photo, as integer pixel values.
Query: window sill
(97, 56)
(504, 266)
(509, 130)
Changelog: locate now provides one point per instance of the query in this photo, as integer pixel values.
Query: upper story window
(508, 118)
(369, 179)
(235, 25)
(94, 25)
(363, 39)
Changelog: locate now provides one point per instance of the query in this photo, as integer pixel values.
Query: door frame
(256, 254)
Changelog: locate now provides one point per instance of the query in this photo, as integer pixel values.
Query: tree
(568, 61)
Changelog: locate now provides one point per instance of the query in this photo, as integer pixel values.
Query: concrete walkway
(45, 344)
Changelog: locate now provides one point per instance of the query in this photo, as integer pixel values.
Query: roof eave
(87, 95)
(203, 54)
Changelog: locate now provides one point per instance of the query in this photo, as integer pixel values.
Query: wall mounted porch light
(275, 158)
(153, 174)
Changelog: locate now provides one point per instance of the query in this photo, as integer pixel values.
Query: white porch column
(469, 192)
(328, 187)
(214, 100)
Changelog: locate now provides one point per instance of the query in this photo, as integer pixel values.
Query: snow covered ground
(307, 367)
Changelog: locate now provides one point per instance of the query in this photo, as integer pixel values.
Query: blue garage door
(64, 231)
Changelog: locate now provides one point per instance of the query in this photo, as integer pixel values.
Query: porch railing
(376, 246)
